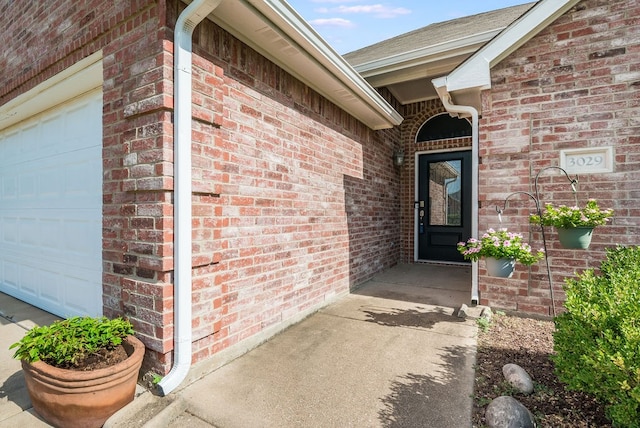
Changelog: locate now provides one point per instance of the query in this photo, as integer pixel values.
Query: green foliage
(567, 217)
(483, 324)
(597, 341)
(500, 244)
(67, 342)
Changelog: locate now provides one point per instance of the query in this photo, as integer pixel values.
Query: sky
(348, 25)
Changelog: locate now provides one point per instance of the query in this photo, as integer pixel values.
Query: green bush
(597, 341)
(67, 343)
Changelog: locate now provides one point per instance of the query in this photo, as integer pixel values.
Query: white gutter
(441, 87)
(195, 13)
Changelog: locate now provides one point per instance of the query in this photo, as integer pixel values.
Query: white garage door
(51, 208)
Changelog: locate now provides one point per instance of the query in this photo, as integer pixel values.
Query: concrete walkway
(16, 318)
(391, 354)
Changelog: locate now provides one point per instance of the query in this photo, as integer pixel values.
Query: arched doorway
(443, 189)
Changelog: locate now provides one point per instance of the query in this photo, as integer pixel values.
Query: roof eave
(425, 55)
(275, 30)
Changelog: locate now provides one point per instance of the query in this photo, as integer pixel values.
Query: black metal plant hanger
(536, 199)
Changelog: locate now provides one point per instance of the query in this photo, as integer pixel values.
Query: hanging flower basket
(574, 224)
(501, 268)
(501, 249)
(575, 238)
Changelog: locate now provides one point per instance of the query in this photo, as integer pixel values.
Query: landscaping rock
(507, 412)
(518, 378)
(486, 313)
(463, 311)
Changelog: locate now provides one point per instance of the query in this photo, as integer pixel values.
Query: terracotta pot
(83, 399)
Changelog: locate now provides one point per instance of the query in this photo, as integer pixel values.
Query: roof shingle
(438, 33)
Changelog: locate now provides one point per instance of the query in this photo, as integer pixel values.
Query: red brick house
(289, 202)
(559, 87)
(216, 207)
(567, 95)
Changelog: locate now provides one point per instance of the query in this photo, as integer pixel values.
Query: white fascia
(426, 54)
(475, 72)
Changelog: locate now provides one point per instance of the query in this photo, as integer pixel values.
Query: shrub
(597, 341)
(67, 343)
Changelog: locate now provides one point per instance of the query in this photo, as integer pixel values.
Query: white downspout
(440, 85)
(182, 111)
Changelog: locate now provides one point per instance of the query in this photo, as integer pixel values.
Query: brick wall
(295, 201)
(137, 143)
(305, 203)
(574, 85)
(40, 39)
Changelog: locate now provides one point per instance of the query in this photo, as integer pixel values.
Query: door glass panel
(444, 213)
(445, 207)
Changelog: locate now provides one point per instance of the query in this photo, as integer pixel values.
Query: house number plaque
(590, 160)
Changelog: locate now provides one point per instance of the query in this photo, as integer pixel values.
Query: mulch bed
(529, 343)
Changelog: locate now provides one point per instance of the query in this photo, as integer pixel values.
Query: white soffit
(276, 31)
(475, 72)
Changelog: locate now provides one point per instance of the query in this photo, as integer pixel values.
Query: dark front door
(444, 205)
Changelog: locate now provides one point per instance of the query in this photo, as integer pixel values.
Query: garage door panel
(51, 208)
(63, 130)
(28, 233)
(29, 280)
(59, 182)
(32, 142)
(75, 239)
(74, 290)
(9, 227)
(9, 188)
(80, 175)
(9, 275)
(11, 152)
(50, 233)
(41, 283)
(63, 241)
(26, 185)
(52, 293)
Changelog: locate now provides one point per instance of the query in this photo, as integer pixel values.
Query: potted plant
(501, 250)
(574, 224)
(81, 370)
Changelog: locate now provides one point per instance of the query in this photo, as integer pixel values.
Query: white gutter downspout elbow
(195, 13)
(445, 96)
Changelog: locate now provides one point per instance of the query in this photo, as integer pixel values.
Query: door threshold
(443, 263)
